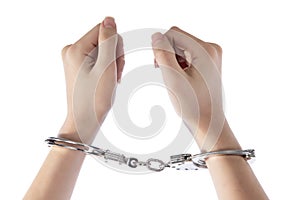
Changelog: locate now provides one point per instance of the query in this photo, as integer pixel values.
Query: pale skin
(232, 175)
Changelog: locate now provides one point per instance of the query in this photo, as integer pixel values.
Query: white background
(261, 65)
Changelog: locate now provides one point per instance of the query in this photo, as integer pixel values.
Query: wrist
(85, 133)
(225, 141)
(68, 130)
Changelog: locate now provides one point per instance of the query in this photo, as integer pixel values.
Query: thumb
(163, 52)
(107, 45)
(108, 28)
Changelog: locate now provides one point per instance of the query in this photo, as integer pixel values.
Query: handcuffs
(179, 161)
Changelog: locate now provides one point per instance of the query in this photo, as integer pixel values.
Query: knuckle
(217, 47)
(71, 50)
(175, 28)
(212, 51)
(172, 32)
(65, 50)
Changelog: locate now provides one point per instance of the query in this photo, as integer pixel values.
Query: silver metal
(88, 149)
(132, 162)
(199, 159)
(179, 162)
(108, 155)
(161, 165)
(180, 158)
(183, 162)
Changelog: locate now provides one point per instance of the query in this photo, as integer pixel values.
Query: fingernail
(182, 62)
(119, 80)
(157, 37)
(109, 22)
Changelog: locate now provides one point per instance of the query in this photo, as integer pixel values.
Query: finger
(175, 28)
(120, 58)
(214, 50)
(218, 50)
(201, 53)
(163, 52)
(108, 28)
(184, 41)
(89, 41)
(107, 44)
(173, 74)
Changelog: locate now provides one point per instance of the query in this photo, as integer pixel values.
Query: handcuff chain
(180, 161)
(106, 154)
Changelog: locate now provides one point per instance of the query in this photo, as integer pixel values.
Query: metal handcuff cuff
(179, 162)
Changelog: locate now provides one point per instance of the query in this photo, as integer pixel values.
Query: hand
(195, 91)
(93, 66)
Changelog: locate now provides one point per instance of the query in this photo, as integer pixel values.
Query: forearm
(232, 176)
(57, 176)
(234, 179)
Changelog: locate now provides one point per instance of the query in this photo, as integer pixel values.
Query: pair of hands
(190, 67)
(191, 72)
